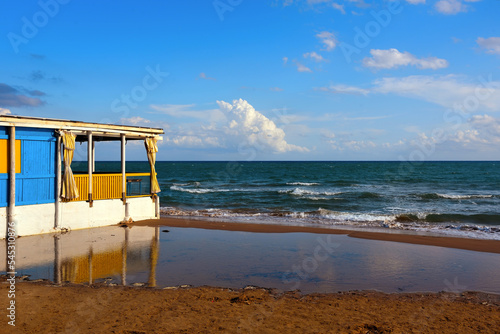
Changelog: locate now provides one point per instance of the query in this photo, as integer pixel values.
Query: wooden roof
(100, 131)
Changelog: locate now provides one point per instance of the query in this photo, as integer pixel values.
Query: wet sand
(479, 245)
(47, 308)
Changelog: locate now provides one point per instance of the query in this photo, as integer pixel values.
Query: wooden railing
(107, 186)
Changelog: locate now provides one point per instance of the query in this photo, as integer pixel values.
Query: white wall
(40, 218)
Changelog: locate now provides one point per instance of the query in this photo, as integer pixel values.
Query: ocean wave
(304, 192)
(452, 196)
(435, 223)
(198, 190)
(355, 217)
(303, 184)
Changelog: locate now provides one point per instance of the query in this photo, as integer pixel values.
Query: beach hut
(39, 192)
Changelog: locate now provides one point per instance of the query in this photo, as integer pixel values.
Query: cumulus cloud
(491, 45)
(314, 56)
(328, 39)
(4, 112)
(18, 97)
(247, 125)
(238, 124)
(480, 133)
(392, 58)
(487, 126)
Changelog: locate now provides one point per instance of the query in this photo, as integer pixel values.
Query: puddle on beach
(286, 261)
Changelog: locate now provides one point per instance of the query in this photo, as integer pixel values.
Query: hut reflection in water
(88, 256)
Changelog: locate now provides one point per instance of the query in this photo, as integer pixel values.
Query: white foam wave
(340, 219)
(355, 217)
(198, 190)
(304, 192)
(453, 196)
(303, 184)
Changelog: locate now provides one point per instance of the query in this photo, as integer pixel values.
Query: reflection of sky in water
(236, 259)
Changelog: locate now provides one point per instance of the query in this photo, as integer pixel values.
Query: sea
(460, 199)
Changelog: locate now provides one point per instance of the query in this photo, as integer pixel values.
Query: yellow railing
(104, 186)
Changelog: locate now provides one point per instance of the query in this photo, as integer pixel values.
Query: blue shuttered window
(36, 182)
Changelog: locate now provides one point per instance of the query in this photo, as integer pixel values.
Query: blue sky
(264, 80)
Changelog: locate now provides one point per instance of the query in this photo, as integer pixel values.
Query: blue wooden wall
(36, 182)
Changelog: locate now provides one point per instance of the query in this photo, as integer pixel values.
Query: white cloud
(492, 44)
(344, 89)
(276, 89)
(339, 7)
(205, 77)
(246, 125)
(192, 141)
(392, 58)
(328, 39)
(449, 91)
(185, 110)
(136, 121)
(365, 118)
(450, 7)
(351, 145)
(4, 112)
(239, 125)
(481, 133)
(488, 127)
(285, 60)
(314, 56)
(302, 68)
(415, 2)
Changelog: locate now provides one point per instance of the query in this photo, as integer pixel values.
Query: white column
(124, 176)
(90, 158)
(12, 175)
(157, 206)
(93, 156)
(57, 218)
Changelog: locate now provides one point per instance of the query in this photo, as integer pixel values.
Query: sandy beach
(46, 308)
